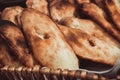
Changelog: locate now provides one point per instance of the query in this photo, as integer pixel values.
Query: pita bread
(89, 27)
(6, 59)
(114, 11)
(90, 47)
(15, 40)
(97, 14)
(47, 42)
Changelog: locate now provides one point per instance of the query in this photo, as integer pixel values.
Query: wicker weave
(37, 73)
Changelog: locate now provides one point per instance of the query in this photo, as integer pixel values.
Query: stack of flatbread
(57, 33)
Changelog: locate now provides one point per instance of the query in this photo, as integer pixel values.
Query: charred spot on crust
(92, 42)
(47, 36)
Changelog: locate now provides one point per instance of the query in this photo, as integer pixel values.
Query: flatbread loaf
(90, 27)
(114, 11)
(15, 40)
(6, 59)
(47, 42)
(97, 14)
(90, 47)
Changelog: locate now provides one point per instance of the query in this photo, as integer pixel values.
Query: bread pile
(57, 33)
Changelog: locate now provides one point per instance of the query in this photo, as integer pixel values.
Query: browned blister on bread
(61, 9)
(47, 42)
(114, 11)
(40, 5)
(15, 40)
(97, 14)
(11, 14)
(90, 47)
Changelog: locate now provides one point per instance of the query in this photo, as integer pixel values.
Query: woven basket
(37, 73)
(43, 73)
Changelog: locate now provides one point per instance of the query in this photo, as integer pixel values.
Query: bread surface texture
(47, 42)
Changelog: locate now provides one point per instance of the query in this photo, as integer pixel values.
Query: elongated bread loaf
(15, 40)
(90, 47)
(90, 27)
(114, 11)
(47, 42)
(97, 14)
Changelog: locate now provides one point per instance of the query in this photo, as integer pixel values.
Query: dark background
(7, 3)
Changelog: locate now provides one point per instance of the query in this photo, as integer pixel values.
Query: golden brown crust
(90, 47)
(61, 9)
(14, 39)
(89, 27)
(47, 42)
(114, 11)
(98, 16)
(5, 58)
(11, 14)
(40, 5)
